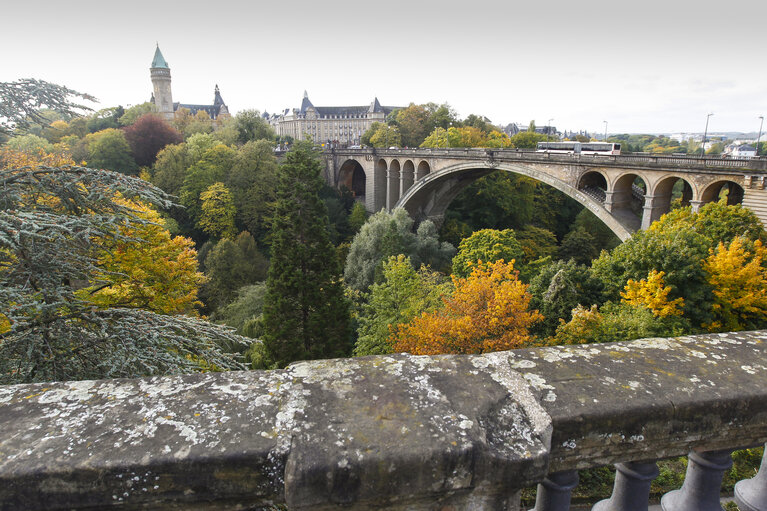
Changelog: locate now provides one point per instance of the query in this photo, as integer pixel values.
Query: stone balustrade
(395, 432)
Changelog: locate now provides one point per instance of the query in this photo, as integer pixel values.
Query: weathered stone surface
(399, 429)
(363, 432)
(390, 432)
(650, 399)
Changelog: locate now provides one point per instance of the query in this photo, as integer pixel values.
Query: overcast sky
(642, 66)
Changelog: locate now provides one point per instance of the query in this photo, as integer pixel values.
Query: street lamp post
(705, 133)
(548, 130)
(605, 139)
(761, 117)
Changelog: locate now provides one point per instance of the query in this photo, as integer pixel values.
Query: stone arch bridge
(627, 192)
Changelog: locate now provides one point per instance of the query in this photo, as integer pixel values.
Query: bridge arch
(431, 196)
(423, 169)
(380, 182)
(407, 176)
(352, 175)
(714, 191)
(593, 183)
(393, 190)
(626, 198)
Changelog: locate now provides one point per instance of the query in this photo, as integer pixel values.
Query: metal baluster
(751, 494)
(631, 491)
(702, 483)
(554, 492)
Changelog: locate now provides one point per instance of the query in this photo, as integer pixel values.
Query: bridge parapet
(715, 164)
(388, 432)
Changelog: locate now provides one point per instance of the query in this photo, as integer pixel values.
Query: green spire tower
(160, 72)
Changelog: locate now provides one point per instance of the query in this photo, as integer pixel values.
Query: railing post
(702, 483)
(554, 492)
(631, 491)
(751, 494)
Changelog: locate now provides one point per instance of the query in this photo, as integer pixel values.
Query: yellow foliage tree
(159, 273)
(486, 312)
(739, 280)
(653, 294)
(10, 159)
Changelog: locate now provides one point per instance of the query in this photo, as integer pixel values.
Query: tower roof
(159, 60)
(305, 103)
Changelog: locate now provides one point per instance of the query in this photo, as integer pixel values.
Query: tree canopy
(52, 222)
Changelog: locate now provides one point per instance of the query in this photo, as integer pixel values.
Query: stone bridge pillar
(654, 207)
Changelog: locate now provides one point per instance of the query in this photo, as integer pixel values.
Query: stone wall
(387, 432)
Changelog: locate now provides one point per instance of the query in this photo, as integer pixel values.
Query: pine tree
(305, 313)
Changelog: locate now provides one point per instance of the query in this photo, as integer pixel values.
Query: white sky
(649, 66)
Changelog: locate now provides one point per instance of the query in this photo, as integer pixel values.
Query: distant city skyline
(654, 67)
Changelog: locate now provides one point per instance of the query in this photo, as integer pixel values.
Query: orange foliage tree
(488, 311)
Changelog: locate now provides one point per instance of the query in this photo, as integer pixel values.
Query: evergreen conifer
(306, 315)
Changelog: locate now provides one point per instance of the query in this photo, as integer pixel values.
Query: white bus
(579, 147)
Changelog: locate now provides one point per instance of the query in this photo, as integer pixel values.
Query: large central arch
(430, 197)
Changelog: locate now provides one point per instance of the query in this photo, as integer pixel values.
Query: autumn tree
(403, 294)
(306, 315)
(217, 211)
(488, 311)
(53, 224)
(653, 294)
(158, 274)
(738, 275)
(147, 136)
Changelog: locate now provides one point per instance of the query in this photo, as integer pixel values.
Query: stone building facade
(162, 95)
(338, 125)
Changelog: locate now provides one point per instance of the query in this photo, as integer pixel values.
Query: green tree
(558, 289)
(306, 315)
(436, 139)
(384, 136)
(527, 140)
(229, 265)
(109, 149)
(486, 246)
(106, 118)
(133, 113)
(251, 126)
(357, 217)
(31, 144)
(413, 123)
(678, 252)
(579, 245)
(245, 309)
(170, 168)
(389, 234)
(211, 168)
(253, 182)
(52, 223)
